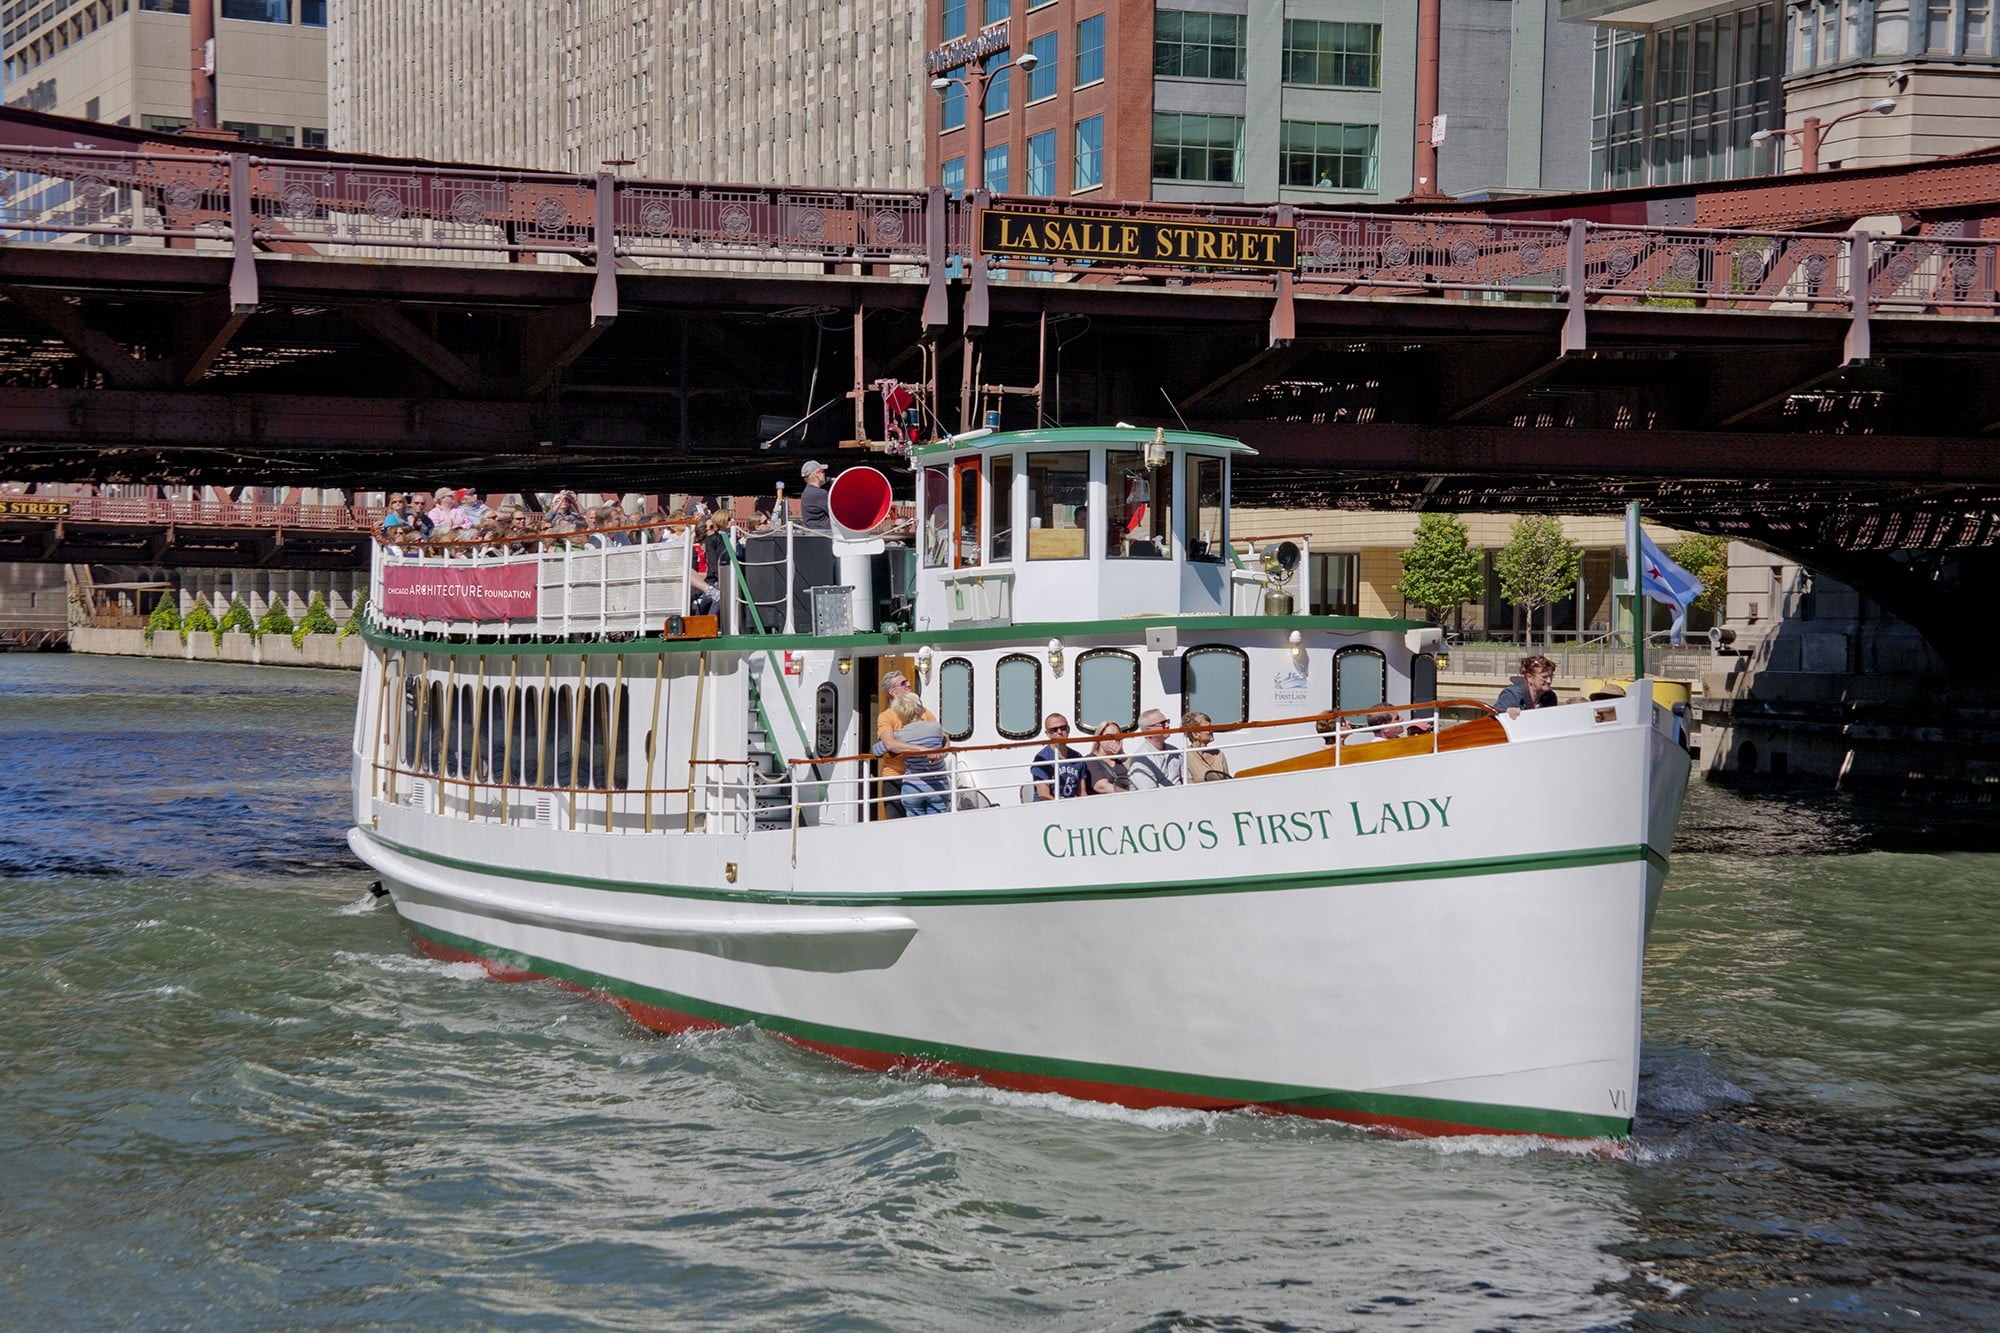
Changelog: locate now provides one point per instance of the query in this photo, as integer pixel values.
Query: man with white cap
(813, 512)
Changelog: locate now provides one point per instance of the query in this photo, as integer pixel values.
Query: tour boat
(560, 772)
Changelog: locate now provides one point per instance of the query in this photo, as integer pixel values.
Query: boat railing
(1003, 773)
(555, 585)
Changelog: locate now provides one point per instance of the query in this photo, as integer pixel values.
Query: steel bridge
(1739, 355)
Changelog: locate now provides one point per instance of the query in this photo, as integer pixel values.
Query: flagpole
(1632, 588)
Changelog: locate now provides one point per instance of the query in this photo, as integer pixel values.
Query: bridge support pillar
(243, 238)
(1857, 347)
(1574, 336)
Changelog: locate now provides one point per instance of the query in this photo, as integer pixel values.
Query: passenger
(392, 518)
(1380, 727)
(1107, 770)
(813, 511)
(1205, 763)
(1531, 688)
(1156, 761)
(890, 751)
(924, 780)
(1057, 772)
(440, 512)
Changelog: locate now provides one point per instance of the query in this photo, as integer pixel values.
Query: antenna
(1175, 410)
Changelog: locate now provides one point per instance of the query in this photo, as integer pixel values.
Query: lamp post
(969, 56)
(1811, 133)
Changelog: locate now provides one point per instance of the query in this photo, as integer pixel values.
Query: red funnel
(858, 501)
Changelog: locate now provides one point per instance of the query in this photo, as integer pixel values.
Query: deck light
(846, 663)
(1055, 656)
(1156, 448)
(924, 664)
(1297, 643)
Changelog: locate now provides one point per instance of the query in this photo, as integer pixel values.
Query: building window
(1680, 104)
(996, 168)
(1017, 691)
(312, 138)
(994, 11)
(1215, 680)
(1090, 50)
(999, 83)
(952, 177)
(164, 124)
(258, 11)
(955, 697)
(951, 108)
(163, 6)
(1192, 147)
(1042, 78)
(1107, 690)
(954, 19)
(1188, 44)
(1333, 55)
(1327, 157)
(312, 13)
(1089, 153)
(1042, 163)
(251, 132)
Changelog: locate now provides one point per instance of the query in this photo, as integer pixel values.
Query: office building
(786, 93)
(1232, 101)
(125, 62)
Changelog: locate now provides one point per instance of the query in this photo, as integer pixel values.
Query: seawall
(318, 650)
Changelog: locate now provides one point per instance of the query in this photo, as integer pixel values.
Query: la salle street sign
(1008, 231)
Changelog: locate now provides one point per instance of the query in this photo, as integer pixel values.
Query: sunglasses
(1058, 731)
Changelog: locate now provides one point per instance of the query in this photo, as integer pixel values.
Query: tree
(1707, 558)
(1440, 570)
(1537, 567)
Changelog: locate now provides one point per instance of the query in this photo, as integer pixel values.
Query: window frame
(1321, 54)
(1040, 177)
(1046, 49)
(1095, 157)
(971, 695)
(826, 720)
(1089, 53)
(1215, 650)
(1207, 45)
(1034, 665)
(1089, 727)
(1382, 683)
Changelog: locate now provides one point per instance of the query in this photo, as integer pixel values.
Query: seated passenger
(1530, 689)
(1057, 772)
(1205, 763)
(1107, 770)
(924, 778)
(1155, 761)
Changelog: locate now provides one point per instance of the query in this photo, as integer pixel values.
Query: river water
(235, 1097)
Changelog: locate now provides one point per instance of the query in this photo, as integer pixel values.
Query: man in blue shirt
(1057, 773)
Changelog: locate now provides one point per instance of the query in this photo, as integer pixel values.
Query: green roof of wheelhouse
(1076, 437)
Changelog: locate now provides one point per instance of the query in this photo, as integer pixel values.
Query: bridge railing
(152, 512)
(203, 199)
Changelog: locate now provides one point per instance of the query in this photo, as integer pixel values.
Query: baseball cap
(808, 469)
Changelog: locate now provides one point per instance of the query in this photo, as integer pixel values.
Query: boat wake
(406, 964)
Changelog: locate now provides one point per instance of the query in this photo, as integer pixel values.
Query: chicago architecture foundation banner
(433, 592)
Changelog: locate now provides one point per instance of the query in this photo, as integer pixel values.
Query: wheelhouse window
(955, 697)
(1140, 499)
(1017, 690)
(1424, 682)
(934, 504)
(1336, 578)
(1215, 679)
(1000, 474)
(965, 503)
(1201, 498)
(1107, 689)
(1058, 496)
(1360, 678)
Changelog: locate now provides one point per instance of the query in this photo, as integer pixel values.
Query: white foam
(405, 964)
(361, 906)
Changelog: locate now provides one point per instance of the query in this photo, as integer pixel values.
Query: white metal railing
(551, 586)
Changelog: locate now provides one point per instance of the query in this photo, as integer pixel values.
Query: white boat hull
(1444, 944)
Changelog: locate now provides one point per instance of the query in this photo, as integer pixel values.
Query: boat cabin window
(1215, 679)
(965, 505)
(1360, 678)
(1000, 474)
(826, 721)
(1107, 689)
(1201, 501)
(1058, 493)
(955, 697)
(1424, 682)
(1017, 689)
(1141, 503)
(934, 516)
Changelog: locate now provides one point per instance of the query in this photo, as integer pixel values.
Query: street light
(976, 78)
(1811, 132)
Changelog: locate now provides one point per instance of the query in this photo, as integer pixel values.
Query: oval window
(955, 697)
(1216, 681)
(1360, 678)
(1107, 689)
(1018, 696)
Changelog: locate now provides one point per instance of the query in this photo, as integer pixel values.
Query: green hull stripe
(1107, 630)
(1325, 877)
(1516, 1119)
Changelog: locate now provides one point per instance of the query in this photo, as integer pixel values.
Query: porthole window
(1216, 681)
(1107, 689)
(826, 721)
(955, 697)
(1424, 682)
(1017, 689)
(1360, 678)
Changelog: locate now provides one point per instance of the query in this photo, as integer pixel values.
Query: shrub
(317, 620)
(275, 620)
(199, 620)
(166, 615)
(354, 617)
(236, 617)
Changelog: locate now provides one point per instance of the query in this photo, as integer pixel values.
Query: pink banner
(459, 592)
